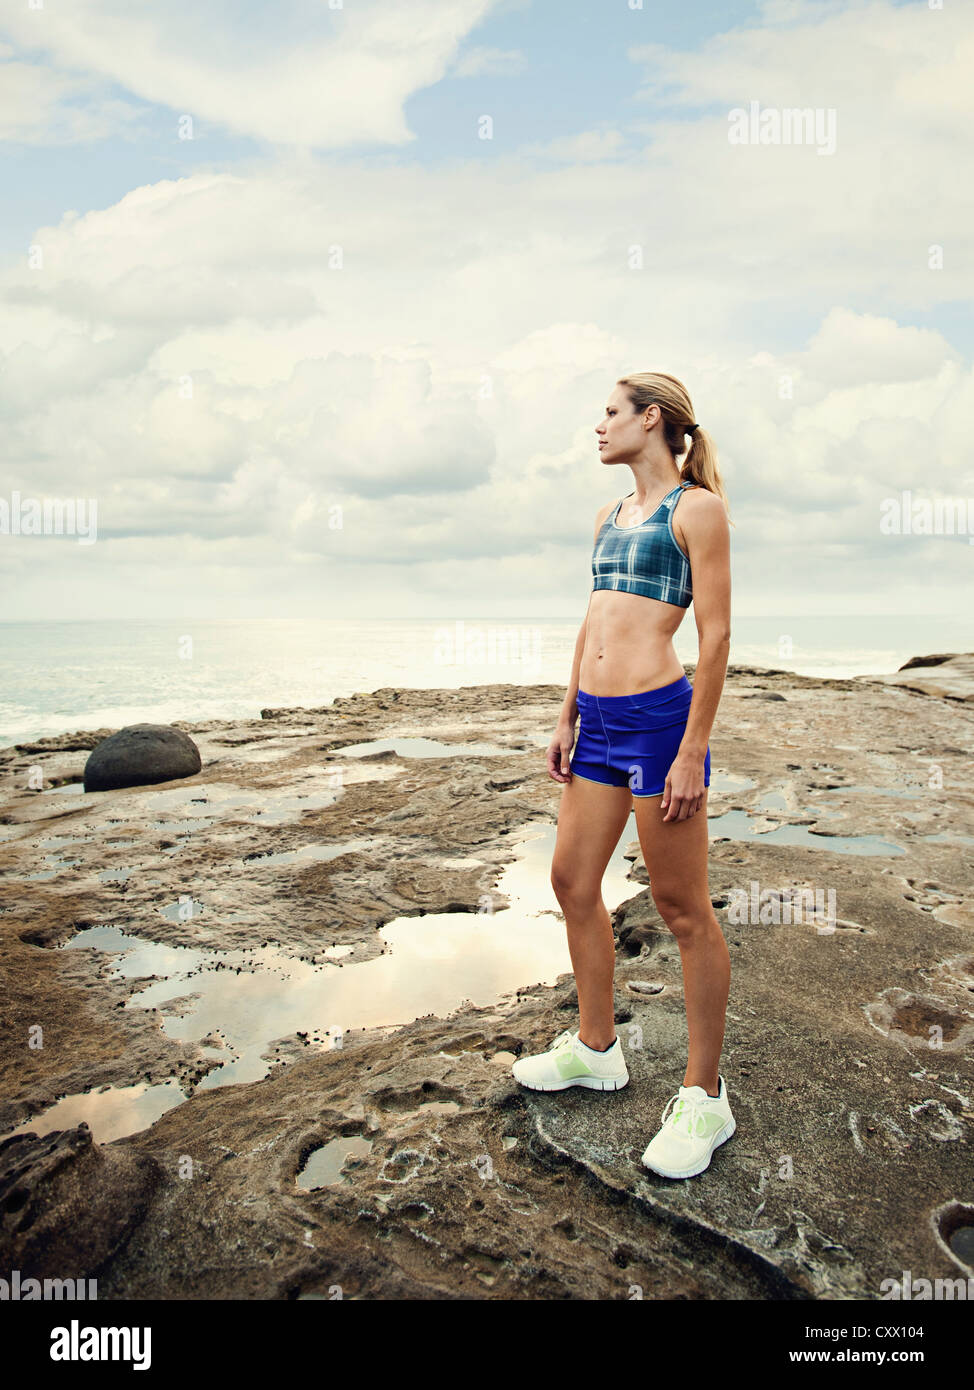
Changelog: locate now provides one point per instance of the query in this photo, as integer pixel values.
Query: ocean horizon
(62, 676)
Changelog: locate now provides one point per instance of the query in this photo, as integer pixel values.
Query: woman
(643, 740)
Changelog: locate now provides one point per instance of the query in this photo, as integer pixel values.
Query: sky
(319, 305)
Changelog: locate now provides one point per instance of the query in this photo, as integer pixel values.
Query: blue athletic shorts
(632, 740)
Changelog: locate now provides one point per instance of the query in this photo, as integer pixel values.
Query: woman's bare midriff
(629, 644)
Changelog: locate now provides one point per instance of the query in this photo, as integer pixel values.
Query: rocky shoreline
(848, 1053)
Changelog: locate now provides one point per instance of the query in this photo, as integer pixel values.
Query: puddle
(420, 748)
(185, 809)
(432, 964)
(962, 1244)
(251, 807)
(180, 812)
(55, 863)
(736, 825)
(182, 827)
(115, 875)
(67, 789)
(948, 838)
(953, 1225)
(533, 741)
(288, 808)
(776, 802)
(324, 1166)
(730, 782)
(224, 802)
(110, 1113)
(183, 911)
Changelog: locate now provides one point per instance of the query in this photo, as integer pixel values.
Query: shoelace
(561, 1039)
(683, 1121)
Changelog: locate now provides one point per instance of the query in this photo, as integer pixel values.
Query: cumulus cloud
(298, 72)
(861, 348)
(41, 106)
(224, 359)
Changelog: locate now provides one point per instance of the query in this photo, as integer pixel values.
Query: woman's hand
(684, 790)
(559, 752)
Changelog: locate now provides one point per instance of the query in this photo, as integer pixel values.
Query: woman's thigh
(675, 855)
(591, 819)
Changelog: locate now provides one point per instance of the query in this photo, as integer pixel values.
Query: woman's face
(621, 432)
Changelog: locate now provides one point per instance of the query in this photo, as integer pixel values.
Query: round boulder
(140, 754)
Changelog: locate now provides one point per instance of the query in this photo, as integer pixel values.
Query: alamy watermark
(468, 645)
(17, 1289)
(782, 125)
(77, 1343)
(907, 515)
(50, 516)
(920, 1290)
(776, 907)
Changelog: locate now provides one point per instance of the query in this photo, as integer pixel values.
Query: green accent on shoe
(570, 1064)
(707, 1122)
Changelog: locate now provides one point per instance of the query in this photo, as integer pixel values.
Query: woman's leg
(675, 853)
(591, 818)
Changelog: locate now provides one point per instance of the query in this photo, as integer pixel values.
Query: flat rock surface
(848, 1054)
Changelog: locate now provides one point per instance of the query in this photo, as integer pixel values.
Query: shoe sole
(721, 1137)
(591, 1083)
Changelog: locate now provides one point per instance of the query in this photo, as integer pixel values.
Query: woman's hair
(672, 397)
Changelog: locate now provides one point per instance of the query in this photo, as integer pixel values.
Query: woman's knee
(573, 889)
(683, 917)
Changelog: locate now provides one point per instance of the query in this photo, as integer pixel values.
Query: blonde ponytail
(700, 464)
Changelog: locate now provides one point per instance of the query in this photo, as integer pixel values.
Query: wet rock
(67, 1204)
(141, 754)
(852, 1127)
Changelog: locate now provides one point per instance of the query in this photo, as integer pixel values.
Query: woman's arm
(559, 750)
(569, 709)
(563, 739)
(707, 536)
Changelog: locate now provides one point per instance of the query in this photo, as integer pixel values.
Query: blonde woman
(643, 741)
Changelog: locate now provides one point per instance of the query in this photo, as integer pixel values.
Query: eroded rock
(67, 1204)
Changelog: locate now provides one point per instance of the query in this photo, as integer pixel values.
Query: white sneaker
(569, 1062)
(697, 1124)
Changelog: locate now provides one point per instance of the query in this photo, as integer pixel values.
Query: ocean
(59, 677)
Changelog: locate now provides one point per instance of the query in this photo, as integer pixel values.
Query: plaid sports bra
(644, 559)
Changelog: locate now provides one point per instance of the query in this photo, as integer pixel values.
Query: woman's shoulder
(703, 511)
(603, 514)
(700, 497)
